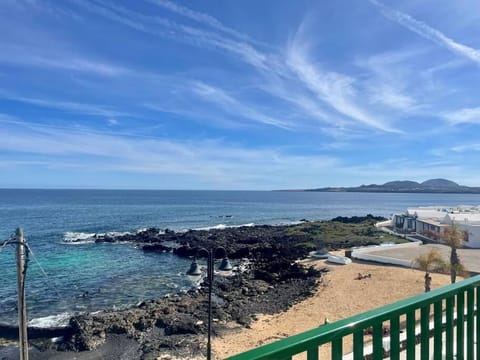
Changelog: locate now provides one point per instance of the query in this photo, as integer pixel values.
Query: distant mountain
(440, 183)
(406, 186)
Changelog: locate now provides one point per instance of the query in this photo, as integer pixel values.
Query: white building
(430, 221)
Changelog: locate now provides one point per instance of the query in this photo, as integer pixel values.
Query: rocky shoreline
(177, 324)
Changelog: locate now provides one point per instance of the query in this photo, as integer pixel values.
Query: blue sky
(227, 94)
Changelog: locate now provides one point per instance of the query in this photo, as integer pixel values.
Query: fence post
(22, 306)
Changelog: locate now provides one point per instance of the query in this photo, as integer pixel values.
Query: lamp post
(195, 271)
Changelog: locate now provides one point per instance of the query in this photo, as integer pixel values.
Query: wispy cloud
(57, 59)
(390, 79)
(335, 89)
(235, 108)
(166, 28)
(218, 163)
(462, 116)
(292, 93)
(14, 163)
(46, 8)
(69, 106)
(391, 97)
(466, 147)
(428, 32)
(199, 17)
(309, 92)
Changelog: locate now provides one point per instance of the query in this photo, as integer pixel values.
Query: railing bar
(377, 341)
(411, 335)
(425, 332)
(470, 324)
(394, 338)
(437, 330)
(449, 328)
(337, 349)
(478, 322)
(312, 353)
(358, 345)
(324, 334)
(460, 341)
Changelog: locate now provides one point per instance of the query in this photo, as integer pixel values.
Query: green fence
(441, 324)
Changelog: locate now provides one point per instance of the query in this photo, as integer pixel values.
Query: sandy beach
(341, 296)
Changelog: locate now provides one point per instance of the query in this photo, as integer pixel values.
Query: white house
(430, 221)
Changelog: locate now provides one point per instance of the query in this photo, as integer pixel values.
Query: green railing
(438, 325)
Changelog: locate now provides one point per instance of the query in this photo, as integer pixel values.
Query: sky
(228, 94)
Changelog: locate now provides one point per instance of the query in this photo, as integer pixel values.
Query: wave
(223, 226)
(72, 237)
(78, 238)
(292, 222)
(59, 320)
(138, 231)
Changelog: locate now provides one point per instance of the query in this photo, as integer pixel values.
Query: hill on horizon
(408, 186)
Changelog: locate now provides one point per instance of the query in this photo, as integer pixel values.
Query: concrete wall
(368, 254)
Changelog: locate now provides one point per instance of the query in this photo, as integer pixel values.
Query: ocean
(119, 275)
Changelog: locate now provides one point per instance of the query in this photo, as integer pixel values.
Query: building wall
(404, 223)
(410, 224)
(473, 235)
(423, 226)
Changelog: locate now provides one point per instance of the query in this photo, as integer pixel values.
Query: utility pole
(22, 306)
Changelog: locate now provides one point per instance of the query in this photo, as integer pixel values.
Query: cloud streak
(332, 88)
(464, 116)
(68, 106)
(428, 32)
(210, 160)
(171, 29)
(295, 71)
(199, 17)
(235, 108)
(41, 58)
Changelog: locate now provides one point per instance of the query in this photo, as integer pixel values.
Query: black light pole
(195, 271)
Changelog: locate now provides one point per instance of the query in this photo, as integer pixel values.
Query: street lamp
(195, 271)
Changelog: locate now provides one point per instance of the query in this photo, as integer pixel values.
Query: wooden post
(22, 306)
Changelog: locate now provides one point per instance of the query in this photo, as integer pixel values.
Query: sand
(341, 296)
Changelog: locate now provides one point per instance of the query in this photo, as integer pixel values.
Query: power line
(6, 242)
(48, 280)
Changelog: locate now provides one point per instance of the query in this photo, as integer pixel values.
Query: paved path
(470, 258)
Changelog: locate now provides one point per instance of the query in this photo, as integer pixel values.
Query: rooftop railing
(440, 324)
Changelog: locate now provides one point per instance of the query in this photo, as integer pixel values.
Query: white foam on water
(223, 226)
(214, 227)
(293, 222)
(138, 231)
(59, 320)
(115, 233)
(72, 237)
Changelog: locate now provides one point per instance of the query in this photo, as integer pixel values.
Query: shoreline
(325, 302)
(277, 283)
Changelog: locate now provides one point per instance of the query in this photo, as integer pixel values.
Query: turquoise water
(118, 275)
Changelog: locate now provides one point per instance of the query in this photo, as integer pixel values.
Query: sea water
(119, 275)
